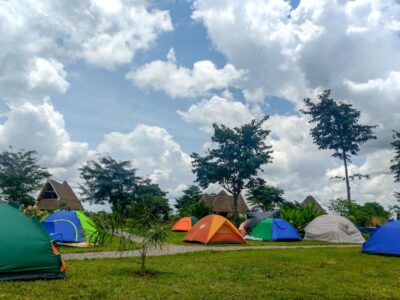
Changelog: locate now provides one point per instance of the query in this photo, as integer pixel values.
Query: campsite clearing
(290, 273)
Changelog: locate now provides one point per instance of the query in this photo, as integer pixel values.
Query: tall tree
(191, 196)
(337, 128)
(235, 159)
(395, 167)
(265, 197)
(154, 197)
(20, 176)
(109, 181)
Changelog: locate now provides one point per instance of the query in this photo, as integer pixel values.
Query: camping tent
(333, 228)
(72, 227)
(273, 230)
(26, 251)
(214, 229)
(184, 224)
(255, 217)
(384, 240)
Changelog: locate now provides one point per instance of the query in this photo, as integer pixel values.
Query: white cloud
(41, 127)
(48, 75)
(39, 39)
(120, 35)
(217, 110)
(154, 152)
(179, 81)
(290, 53)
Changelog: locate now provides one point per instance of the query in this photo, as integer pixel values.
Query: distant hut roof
(55, 195)
(223, 203)
(311, 199)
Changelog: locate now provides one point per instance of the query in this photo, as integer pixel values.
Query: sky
(145, 80)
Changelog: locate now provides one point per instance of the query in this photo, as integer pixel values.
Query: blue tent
(384, 240)
(65, 227)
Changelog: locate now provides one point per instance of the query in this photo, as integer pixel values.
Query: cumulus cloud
(179, 81)
(155, 153)
(39, 39)
(41, 127)
(217, 110)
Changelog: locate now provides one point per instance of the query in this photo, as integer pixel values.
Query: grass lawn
(177, 239)
(251, 274)
(111, 245)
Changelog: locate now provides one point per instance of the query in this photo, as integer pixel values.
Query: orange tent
(184, 224)
(214, 229)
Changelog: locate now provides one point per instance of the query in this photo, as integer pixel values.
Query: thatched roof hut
(223, 203)
(55, 195)
(311, 199)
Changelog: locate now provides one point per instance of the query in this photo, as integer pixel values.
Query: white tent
(332, 228)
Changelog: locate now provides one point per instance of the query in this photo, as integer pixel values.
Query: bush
(300, 216)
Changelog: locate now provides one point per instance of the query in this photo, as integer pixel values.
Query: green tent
(263, 230)
(26, 251)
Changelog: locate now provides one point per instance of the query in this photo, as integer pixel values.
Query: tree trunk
(235, 208)
(143, 263)
(346, 176)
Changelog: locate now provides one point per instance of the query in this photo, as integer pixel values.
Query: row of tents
(384, 240)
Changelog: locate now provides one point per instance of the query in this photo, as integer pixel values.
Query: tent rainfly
(214, 229)
(26, 252)
(333, 228)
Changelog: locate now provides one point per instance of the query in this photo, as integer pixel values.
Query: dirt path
(176, 249)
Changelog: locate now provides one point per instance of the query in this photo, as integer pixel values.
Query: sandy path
(176, 249)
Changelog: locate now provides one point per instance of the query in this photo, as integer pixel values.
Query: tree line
(234, 161)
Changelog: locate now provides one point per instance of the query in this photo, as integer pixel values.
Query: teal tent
(26, 251)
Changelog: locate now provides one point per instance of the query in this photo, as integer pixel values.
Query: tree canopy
(191, 204)
(108, 181)
(235, 158)
(265, 197)
(337, 128)
(368, 214)
(190, 197)
(153, 197)
(20, 176)
(395, 167)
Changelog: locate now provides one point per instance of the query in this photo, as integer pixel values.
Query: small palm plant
(143, 228)
(150, 233)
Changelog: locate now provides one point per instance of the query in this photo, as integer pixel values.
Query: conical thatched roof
(55, 195)
(223, 203)
(311, 199)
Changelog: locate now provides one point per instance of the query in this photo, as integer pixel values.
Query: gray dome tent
(333, 228)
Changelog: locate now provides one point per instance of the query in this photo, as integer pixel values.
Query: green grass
(177, 239)
(111, 245)
(249, 274)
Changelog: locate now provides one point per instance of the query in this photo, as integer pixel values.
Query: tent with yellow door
(214, 229)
